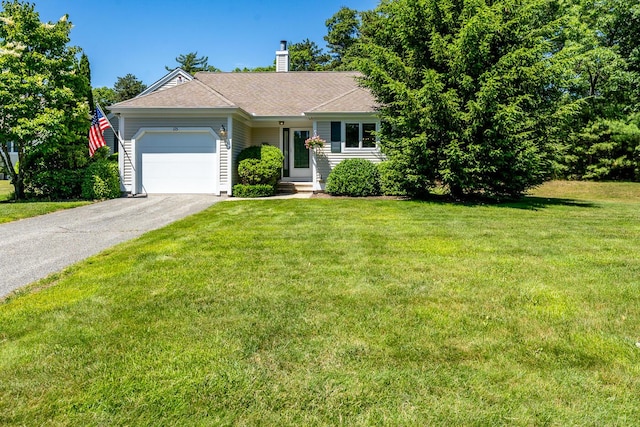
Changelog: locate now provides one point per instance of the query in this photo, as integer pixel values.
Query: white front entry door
(300, 156)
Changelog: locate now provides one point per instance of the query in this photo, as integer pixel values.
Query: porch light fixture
(281, 122)
(223, 132)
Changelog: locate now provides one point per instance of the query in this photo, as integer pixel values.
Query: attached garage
(176, 160)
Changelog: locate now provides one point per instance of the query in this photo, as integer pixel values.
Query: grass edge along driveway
(12, 211)
(353, 312)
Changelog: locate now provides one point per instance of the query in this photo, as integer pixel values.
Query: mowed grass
(11, 211)
(341, 312)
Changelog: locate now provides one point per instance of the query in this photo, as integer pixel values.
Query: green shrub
(390, 180)
(259, 166)
(101, 181)
(255, 190)
(50, 176)
(252, 171)
(354, 177)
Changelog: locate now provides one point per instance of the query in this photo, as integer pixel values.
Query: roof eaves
(178, 111)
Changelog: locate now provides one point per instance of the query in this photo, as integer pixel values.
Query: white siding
(241, 140)
(224, 167)
(269, 135)
(128, 168)
(172, 83)
(328, 160)
(282, 61)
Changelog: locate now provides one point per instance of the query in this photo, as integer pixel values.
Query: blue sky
(142, 36)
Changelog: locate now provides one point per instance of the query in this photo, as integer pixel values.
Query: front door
(299, 155)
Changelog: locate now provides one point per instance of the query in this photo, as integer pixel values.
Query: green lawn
(343, 312)
(11, 211)
(5, 189)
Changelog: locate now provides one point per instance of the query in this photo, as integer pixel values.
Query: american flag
(96, 134)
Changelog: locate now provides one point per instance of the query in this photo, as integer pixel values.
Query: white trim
(229, 156)
(178, 72)
(359, 148)
(134, 169)
(145, 130)
(122, 154)
(314, 161)
(292, 157)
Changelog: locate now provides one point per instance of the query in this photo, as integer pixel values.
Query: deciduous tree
(343, 32)
(104, 96)
(42, 104)
(307, 56)
(603, 39)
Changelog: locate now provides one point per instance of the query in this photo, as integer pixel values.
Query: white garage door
(177, 162)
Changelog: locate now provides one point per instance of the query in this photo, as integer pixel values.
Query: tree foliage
(43, 104)
(101, 180)
(192, 64)
(343, 32)
(468, 91)
(104, 96)
(307, 56)
(603, 42)
(128, 87)
(84, 68)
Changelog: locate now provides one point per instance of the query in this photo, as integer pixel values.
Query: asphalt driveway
(33, 248)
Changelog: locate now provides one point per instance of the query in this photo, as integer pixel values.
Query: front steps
(294, 187)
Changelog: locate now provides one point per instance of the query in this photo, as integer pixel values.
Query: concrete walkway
(33, 248)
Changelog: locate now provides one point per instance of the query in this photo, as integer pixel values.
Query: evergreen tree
(85, 71)
(128, 87)
(469, 92)
(192, 64)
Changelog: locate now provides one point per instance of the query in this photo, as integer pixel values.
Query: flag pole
(120, 140)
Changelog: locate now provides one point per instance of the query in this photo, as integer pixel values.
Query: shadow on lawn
(535, 203)
(526, 203)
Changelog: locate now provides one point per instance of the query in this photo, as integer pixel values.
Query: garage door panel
(178, 163)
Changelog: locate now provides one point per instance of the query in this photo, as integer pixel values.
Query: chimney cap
(283, 45)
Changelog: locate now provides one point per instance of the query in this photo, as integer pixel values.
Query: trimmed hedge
(253, 190)
(354, 177)
(260, 164)
(101, 181)
(259, 170)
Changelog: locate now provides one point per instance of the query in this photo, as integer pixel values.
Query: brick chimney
(282, 58)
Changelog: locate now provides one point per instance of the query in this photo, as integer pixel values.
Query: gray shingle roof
(265, 94)
(193, 94)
